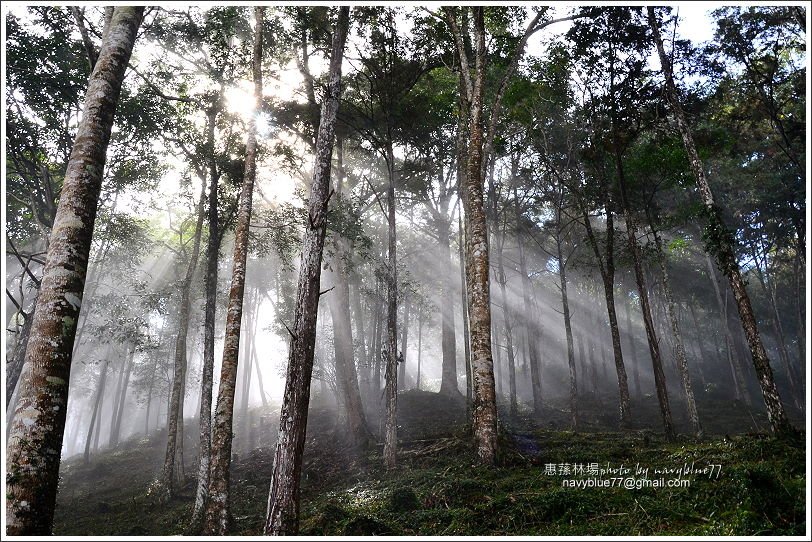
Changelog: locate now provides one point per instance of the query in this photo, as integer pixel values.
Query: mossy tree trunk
(35, 440)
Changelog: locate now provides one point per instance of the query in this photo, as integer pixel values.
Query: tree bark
(35, 441)
(282, 516)
(216, 515)
(720, 242)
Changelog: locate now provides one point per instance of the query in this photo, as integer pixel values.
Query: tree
(39, 418)
(719, 242)
(217, 509)
(282, 517)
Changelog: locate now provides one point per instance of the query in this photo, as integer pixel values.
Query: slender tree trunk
(378, 350)
(391, 375)
(767, 287)
(642, 289)
(15, 366)
(339, 304)
(210, 310)
(283, 501)
(532, 350)
(149, 396)
(96, 404)
(562, 275)
(164, 487)
(736, 374)
(216, 515)
(246, 364)
(448, 384)
(119, 413)
(338, 301)
(364, 365)
(632, 348)
(720, 242)
(35, 441)
(682, 361)
(507, 318)
(607, 270)
(419, 347)
(466, 335)
(404, 339)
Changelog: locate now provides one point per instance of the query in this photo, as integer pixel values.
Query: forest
(405, 270)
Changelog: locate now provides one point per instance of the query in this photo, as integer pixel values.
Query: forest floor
(758, 487)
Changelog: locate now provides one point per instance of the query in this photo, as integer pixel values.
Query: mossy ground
(437, 488)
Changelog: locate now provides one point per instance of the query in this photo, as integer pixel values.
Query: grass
(438, 489)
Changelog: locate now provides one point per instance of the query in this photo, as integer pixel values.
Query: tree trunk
(283, 501)
(96, 404)
(346, 374)
(767, 287)
(532, 349)
(246, 364)
(632, 348)
(419, 347)
(720, 242)
(364, 360)
(507, 318)
(164, 487)
(682, 361)
(642, 289)
(562, 275)
(739, 387)
(448, 384)
(477, 265)
(210, 310)
(391, 375)
(15, 366)
(606, 265)
(404, 339)
(35, 441)
(216, 516)
(119, 413)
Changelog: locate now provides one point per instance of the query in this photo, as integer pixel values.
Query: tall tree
(476, 246)
(719, 242)
(216, 520)
(282, 516)
(39, 418)
(210, 286)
